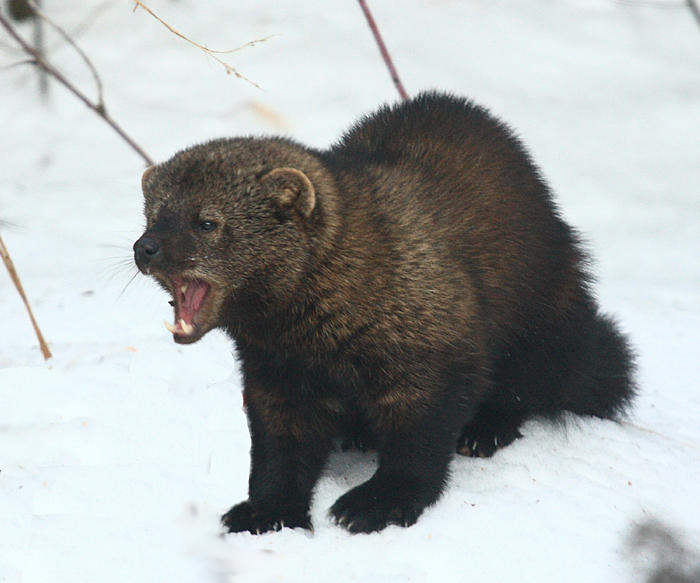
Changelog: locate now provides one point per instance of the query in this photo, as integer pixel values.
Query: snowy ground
(118, 455)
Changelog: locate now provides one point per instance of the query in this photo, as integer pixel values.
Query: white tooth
(183, 288)
(170, 327)
(186, 328)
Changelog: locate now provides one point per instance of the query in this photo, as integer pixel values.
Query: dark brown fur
(412, 287)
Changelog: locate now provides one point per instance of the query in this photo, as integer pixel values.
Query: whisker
(117, 267)
(128, 283)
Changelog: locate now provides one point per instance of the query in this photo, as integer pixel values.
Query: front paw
(372, 506)
(243, 518)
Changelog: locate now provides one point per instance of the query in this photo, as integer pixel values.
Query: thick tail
(583, 365)
(601, 376)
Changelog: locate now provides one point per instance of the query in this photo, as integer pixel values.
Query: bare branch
(74, 33)
(18, 64)
(71, 42)
(212, 53)
(18, 284)
(56, 74)
(40, 48)
(383, 50)
(90, 18)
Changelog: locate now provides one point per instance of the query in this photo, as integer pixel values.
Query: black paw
(243, 518)
(372, 506)
(482, 441)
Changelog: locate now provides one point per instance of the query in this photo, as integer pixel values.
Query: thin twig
(90, 18)
(18, 64)
(71, 42)
(73, 33)
(40, 48)
(15, 279)
(383, 50)
(56, 74)
(212, 53)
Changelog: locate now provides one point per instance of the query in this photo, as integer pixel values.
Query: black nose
(146, 249)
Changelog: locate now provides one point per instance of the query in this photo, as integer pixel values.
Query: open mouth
(189, 295)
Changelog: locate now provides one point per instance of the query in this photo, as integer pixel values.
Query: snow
(118, 455)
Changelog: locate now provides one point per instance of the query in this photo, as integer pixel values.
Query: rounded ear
(292, 189)
(146, 173)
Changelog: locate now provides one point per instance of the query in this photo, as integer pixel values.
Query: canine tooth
(172, 329)
(186, 328)
(183, 288)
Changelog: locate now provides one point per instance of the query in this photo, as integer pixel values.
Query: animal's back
(444, 136)
(459, 178)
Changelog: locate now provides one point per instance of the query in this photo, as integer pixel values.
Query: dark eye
(207, 226)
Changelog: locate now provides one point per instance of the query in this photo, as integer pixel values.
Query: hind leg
(494, 426)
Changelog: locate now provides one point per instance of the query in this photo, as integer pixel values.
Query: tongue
(191, 294)
(192, 299)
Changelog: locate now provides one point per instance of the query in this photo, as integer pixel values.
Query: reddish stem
(383, 50)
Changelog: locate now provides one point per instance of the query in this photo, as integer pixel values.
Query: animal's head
(226, 217)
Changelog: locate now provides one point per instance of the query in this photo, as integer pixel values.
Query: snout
(147, 252)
